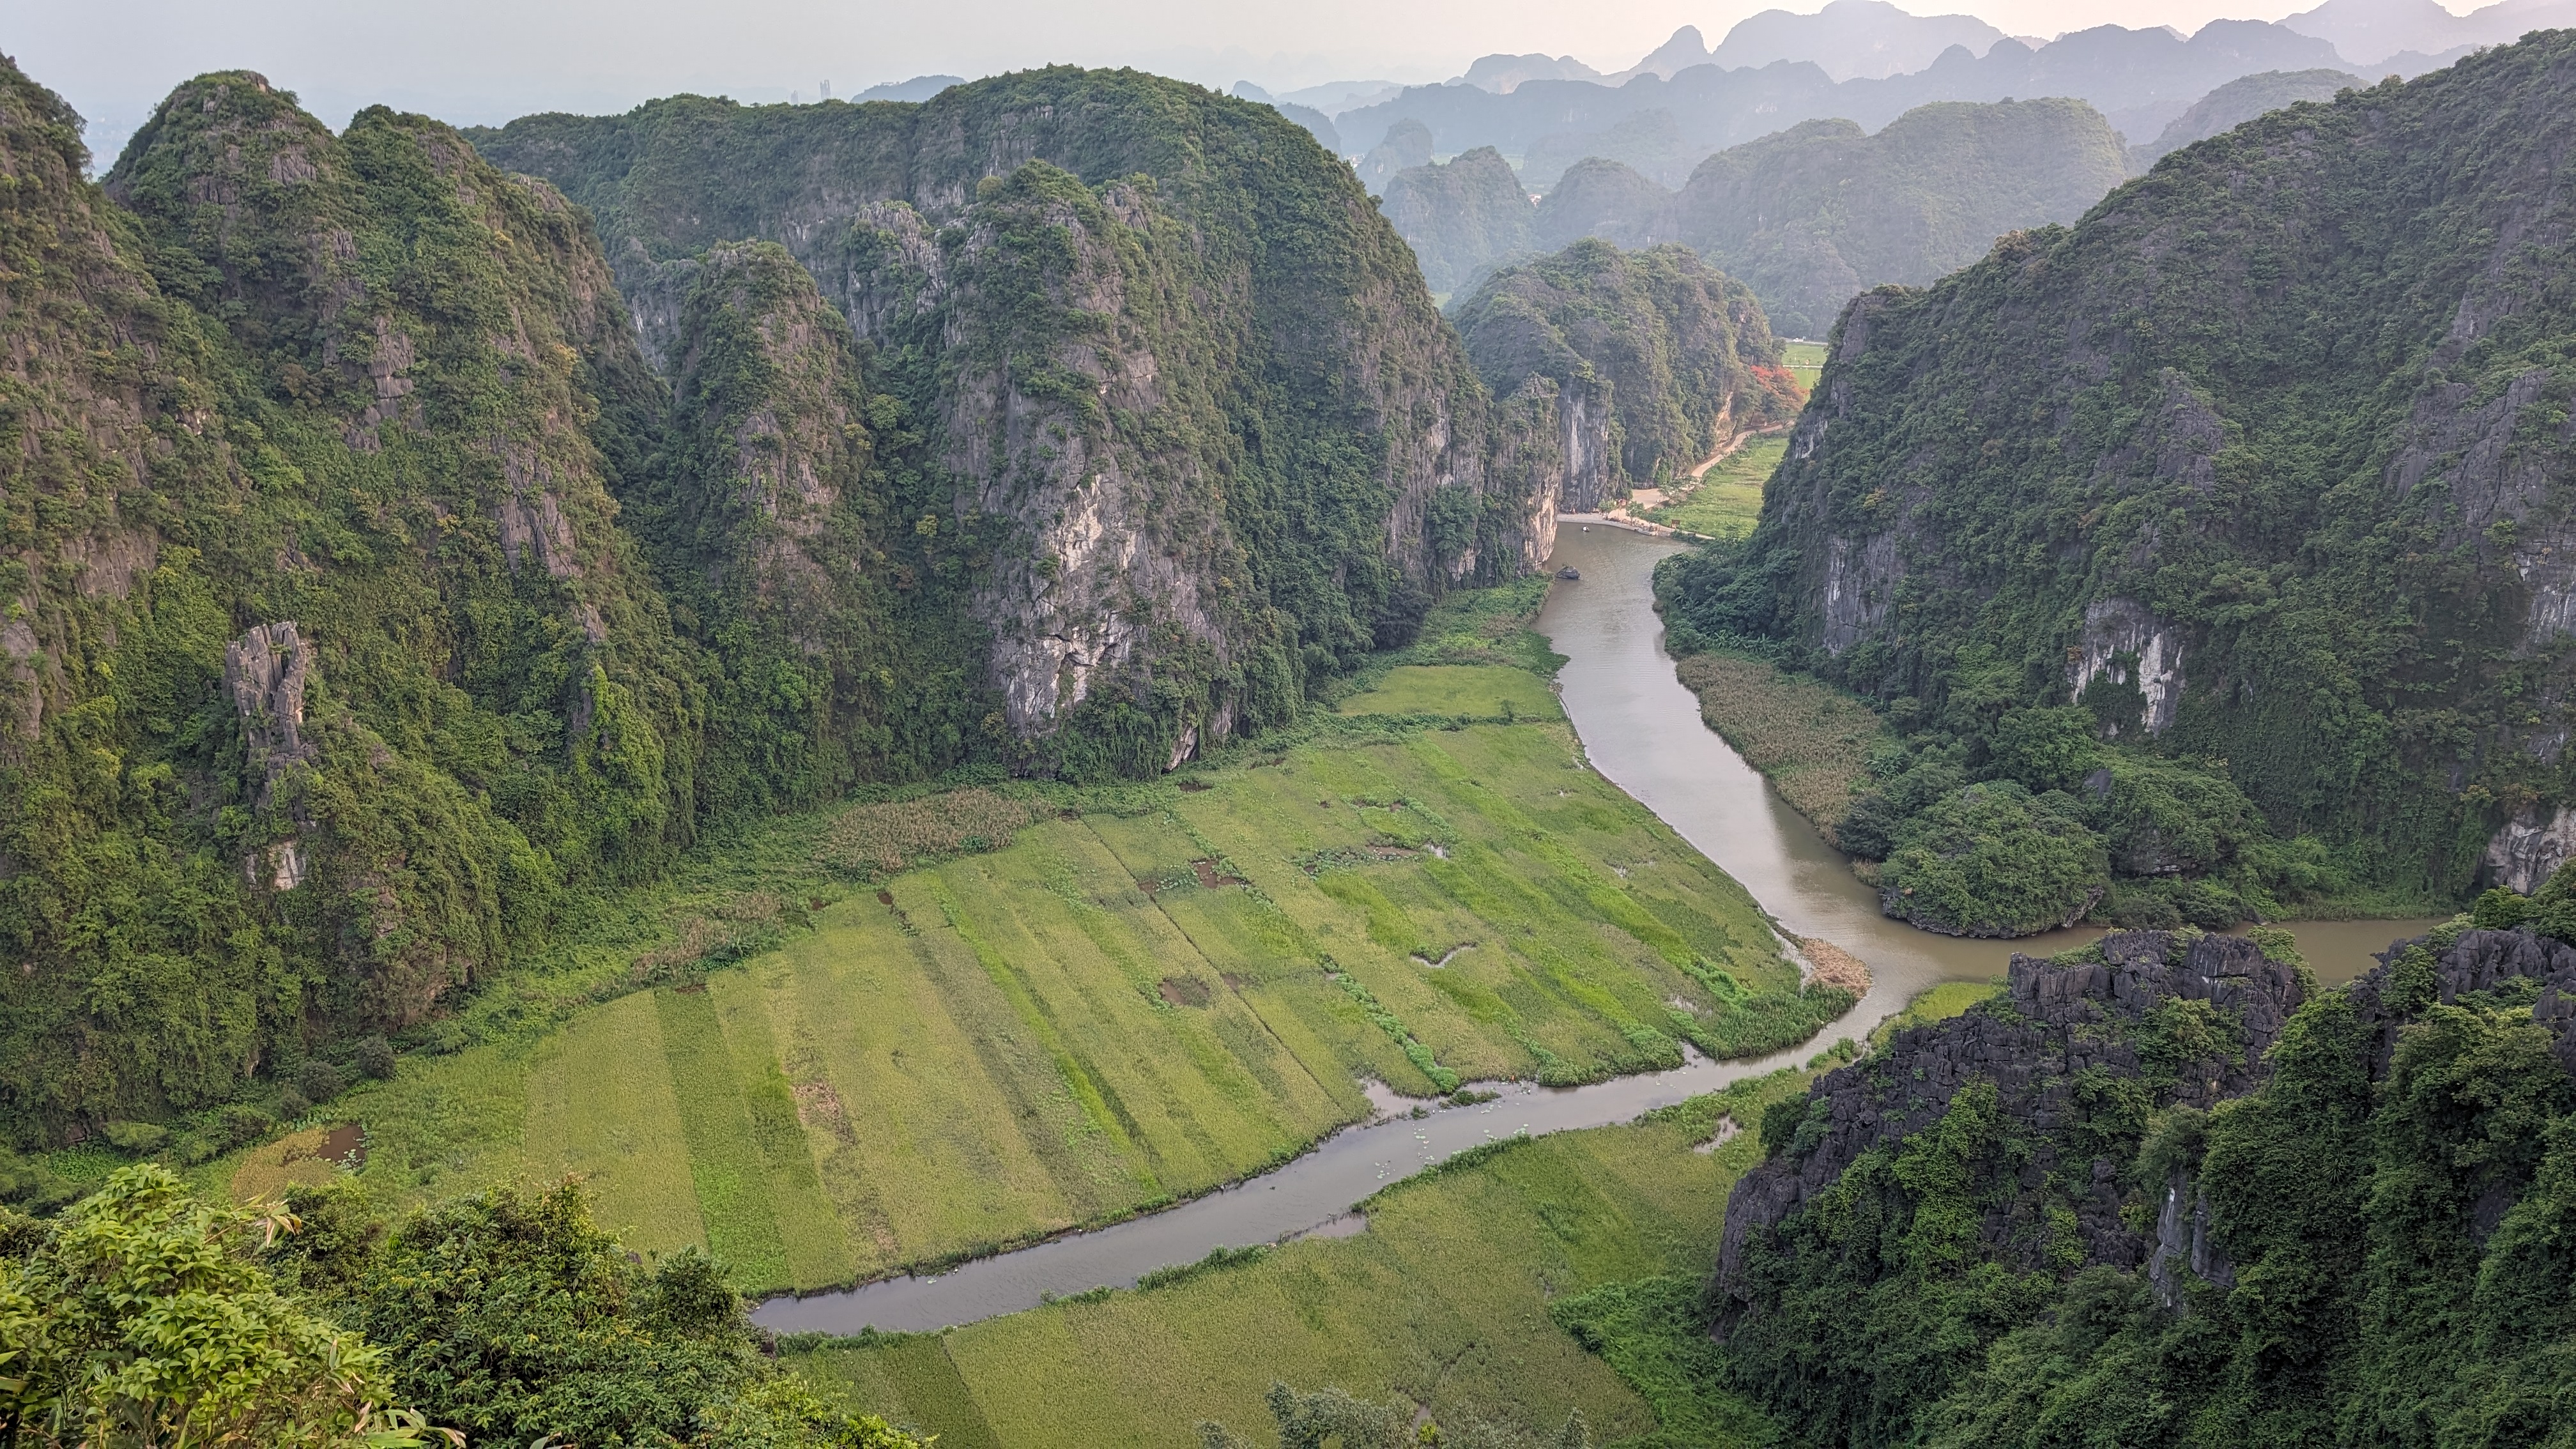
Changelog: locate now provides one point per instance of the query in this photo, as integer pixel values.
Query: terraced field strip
(1468, 689)
(601, 1107)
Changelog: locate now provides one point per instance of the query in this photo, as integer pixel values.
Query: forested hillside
(1807, 217)
(2237, 102)
(1197, 430)
(1462, 217)
(333, 670)
(375, 601)
(1815, 214)
(1655, 360)
(2165, 1192)
(2233, 515)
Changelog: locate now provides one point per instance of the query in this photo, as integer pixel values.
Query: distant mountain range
(1807, 217)
(2420, 34)
(1869, 61)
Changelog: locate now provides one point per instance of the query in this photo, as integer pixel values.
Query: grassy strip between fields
(1809, 739)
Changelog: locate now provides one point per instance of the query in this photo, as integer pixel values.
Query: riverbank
(1461, 1297)
(1443, 1303)
(1649, 733)
(1809, 739)
(1723, 499)
(1812, 741)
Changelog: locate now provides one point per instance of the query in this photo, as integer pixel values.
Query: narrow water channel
(1642, 730)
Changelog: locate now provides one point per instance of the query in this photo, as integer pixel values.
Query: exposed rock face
(2127, 645)
(1124, 543)
(1203, 449)
(2528, 849)
(2186, 1244)
(265, 672)
(2480, 961)
(1860, 588)
(2061, 1020)
(2058, 1021)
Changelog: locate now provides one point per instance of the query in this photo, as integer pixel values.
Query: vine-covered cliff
(2259, 474)
(377, 588)
(1193, 429)
(2169, 1191)
(1656, 360)
(330, 667)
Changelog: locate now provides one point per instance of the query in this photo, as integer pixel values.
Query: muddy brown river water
(1642, 730)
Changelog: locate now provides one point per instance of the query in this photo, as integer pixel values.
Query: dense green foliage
(514, 1317)
(142, 1317)
(834, 649)
(2258, 465)
(1669, 358)
(2390, 1216)
(370, 390)
(1181, 320)
(2237, 102)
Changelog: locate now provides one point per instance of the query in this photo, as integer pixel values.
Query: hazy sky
(488, 60)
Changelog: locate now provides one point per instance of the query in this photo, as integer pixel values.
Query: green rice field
(1457, 1299)
(1468, 689)
(1126, 1002)
(1727, 501)
(1444, 1302)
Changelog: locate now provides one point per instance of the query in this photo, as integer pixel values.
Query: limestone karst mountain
(1656, 360)
(2237, 102)
(1808, 217)
(2130, 471)
(397, 563)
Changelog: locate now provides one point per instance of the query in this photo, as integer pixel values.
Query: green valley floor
(1131, 1001)
(1475, 1292)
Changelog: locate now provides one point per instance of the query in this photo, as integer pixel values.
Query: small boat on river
(1569, 573)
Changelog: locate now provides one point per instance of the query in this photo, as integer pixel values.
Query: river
(1642, 730)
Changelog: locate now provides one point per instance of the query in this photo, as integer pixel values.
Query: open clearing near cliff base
(1111, 1010)
(1727, 500)
(1443, 1301)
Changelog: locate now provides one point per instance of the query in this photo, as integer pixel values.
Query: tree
(141, 1318)
(517, 1317)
